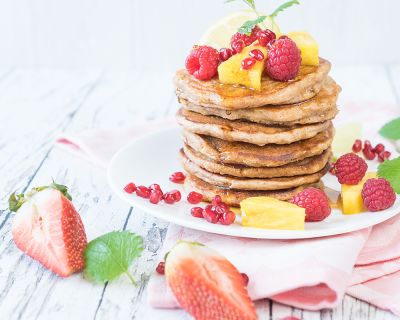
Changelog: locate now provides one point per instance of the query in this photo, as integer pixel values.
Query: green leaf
(283, 7)
(391, 130)
(248, 26)
(15, 201)
(110, 255)
(390, 170)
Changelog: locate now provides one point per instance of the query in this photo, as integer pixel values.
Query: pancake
(214, 94)
(271, 155)
(234, 197)
(229, 182)
(320, 108)
(302, 167)
(245, 131)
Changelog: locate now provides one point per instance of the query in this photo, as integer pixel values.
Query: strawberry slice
(206, 284)
(48, 229)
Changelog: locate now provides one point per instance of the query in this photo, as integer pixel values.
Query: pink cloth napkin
(310, 274)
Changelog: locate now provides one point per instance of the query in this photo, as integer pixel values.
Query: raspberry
(248, 63)
(225, 54)
(283, 60)
(240, 40)
(357, 146)
(315, 202)
(350, 169)
(265, 36)
(202, 62)
(378, 194)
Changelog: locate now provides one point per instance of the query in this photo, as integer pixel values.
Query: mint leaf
(15, 201)
(110, 255)
(391, 130)
(283, 7)
(390, 170)
(248, 26)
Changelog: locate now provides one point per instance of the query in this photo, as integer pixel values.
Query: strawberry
(47, 228)
(206, 284)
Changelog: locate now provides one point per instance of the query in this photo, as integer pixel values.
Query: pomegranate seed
(257, 54)
(369, 154)
(194, 197)
(221, 209)
(176, 194)
(332, 168)
(227, 218)
(216, 200)
(384, 156)
(155, 186)
(161, 268)
(177, 177)
(379, 148)
(245, 279)
(143, 192)
(367, 145)
(225, 54)
(197, 212)
(357, 146)
(237, 46)
(283, 37)
(130, 188)
(248, 63)
(169, 198)
(265, 36)
(155, 196)
(209, 214)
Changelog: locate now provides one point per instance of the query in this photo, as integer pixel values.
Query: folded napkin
(310, 274)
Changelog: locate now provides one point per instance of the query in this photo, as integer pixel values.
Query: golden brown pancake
(247, 154)
(302, 167)
(250, 183)
(320, 108)
(234, 197)
(245, 131)
(216, 95)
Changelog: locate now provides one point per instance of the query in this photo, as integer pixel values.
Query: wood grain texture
(37, 105)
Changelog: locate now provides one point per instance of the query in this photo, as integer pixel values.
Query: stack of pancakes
(240, 143)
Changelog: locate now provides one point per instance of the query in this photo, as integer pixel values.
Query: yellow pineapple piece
(231, 72)
(270, 213)
(308, 46)
(351, 195)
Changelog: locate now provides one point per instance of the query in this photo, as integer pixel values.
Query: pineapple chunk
(308, 47)
(270, 213)
(231, 72)
(351, 195)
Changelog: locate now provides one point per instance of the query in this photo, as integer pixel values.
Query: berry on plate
(378, 194)
(283, 60)
(49, 229)
(199, 277)
(202, 62)
(350, 169)
(315, 202)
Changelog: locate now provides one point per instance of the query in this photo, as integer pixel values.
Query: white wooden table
(35, 106)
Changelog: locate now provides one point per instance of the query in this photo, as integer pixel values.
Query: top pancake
(320, 108)
(213, 94)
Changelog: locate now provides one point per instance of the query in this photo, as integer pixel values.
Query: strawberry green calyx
(16, 200)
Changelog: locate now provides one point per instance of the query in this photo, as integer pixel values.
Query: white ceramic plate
(153, 158)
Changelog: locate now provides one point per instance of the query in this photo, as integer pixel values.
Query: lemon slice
(345, 137)
(219, 35)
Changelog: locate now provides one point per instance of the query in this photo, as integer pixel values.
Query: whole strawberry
(48, 229)
(378, 194)
(206, 284)
(315, 202)
(284, 59)
(202, 62)
(350, 169)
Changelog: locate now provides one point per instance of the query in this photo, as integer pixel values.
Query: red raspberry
(378, 194)
(265, 36)
(240, 40)
(315, 202)
(248, 63)
(357, 146)
(283, 60)
(225, 54)
(202, 62)
(350, 169)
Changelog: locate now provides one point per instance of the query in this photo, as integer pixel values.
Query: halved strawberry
(48, 228)
(206, 284)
